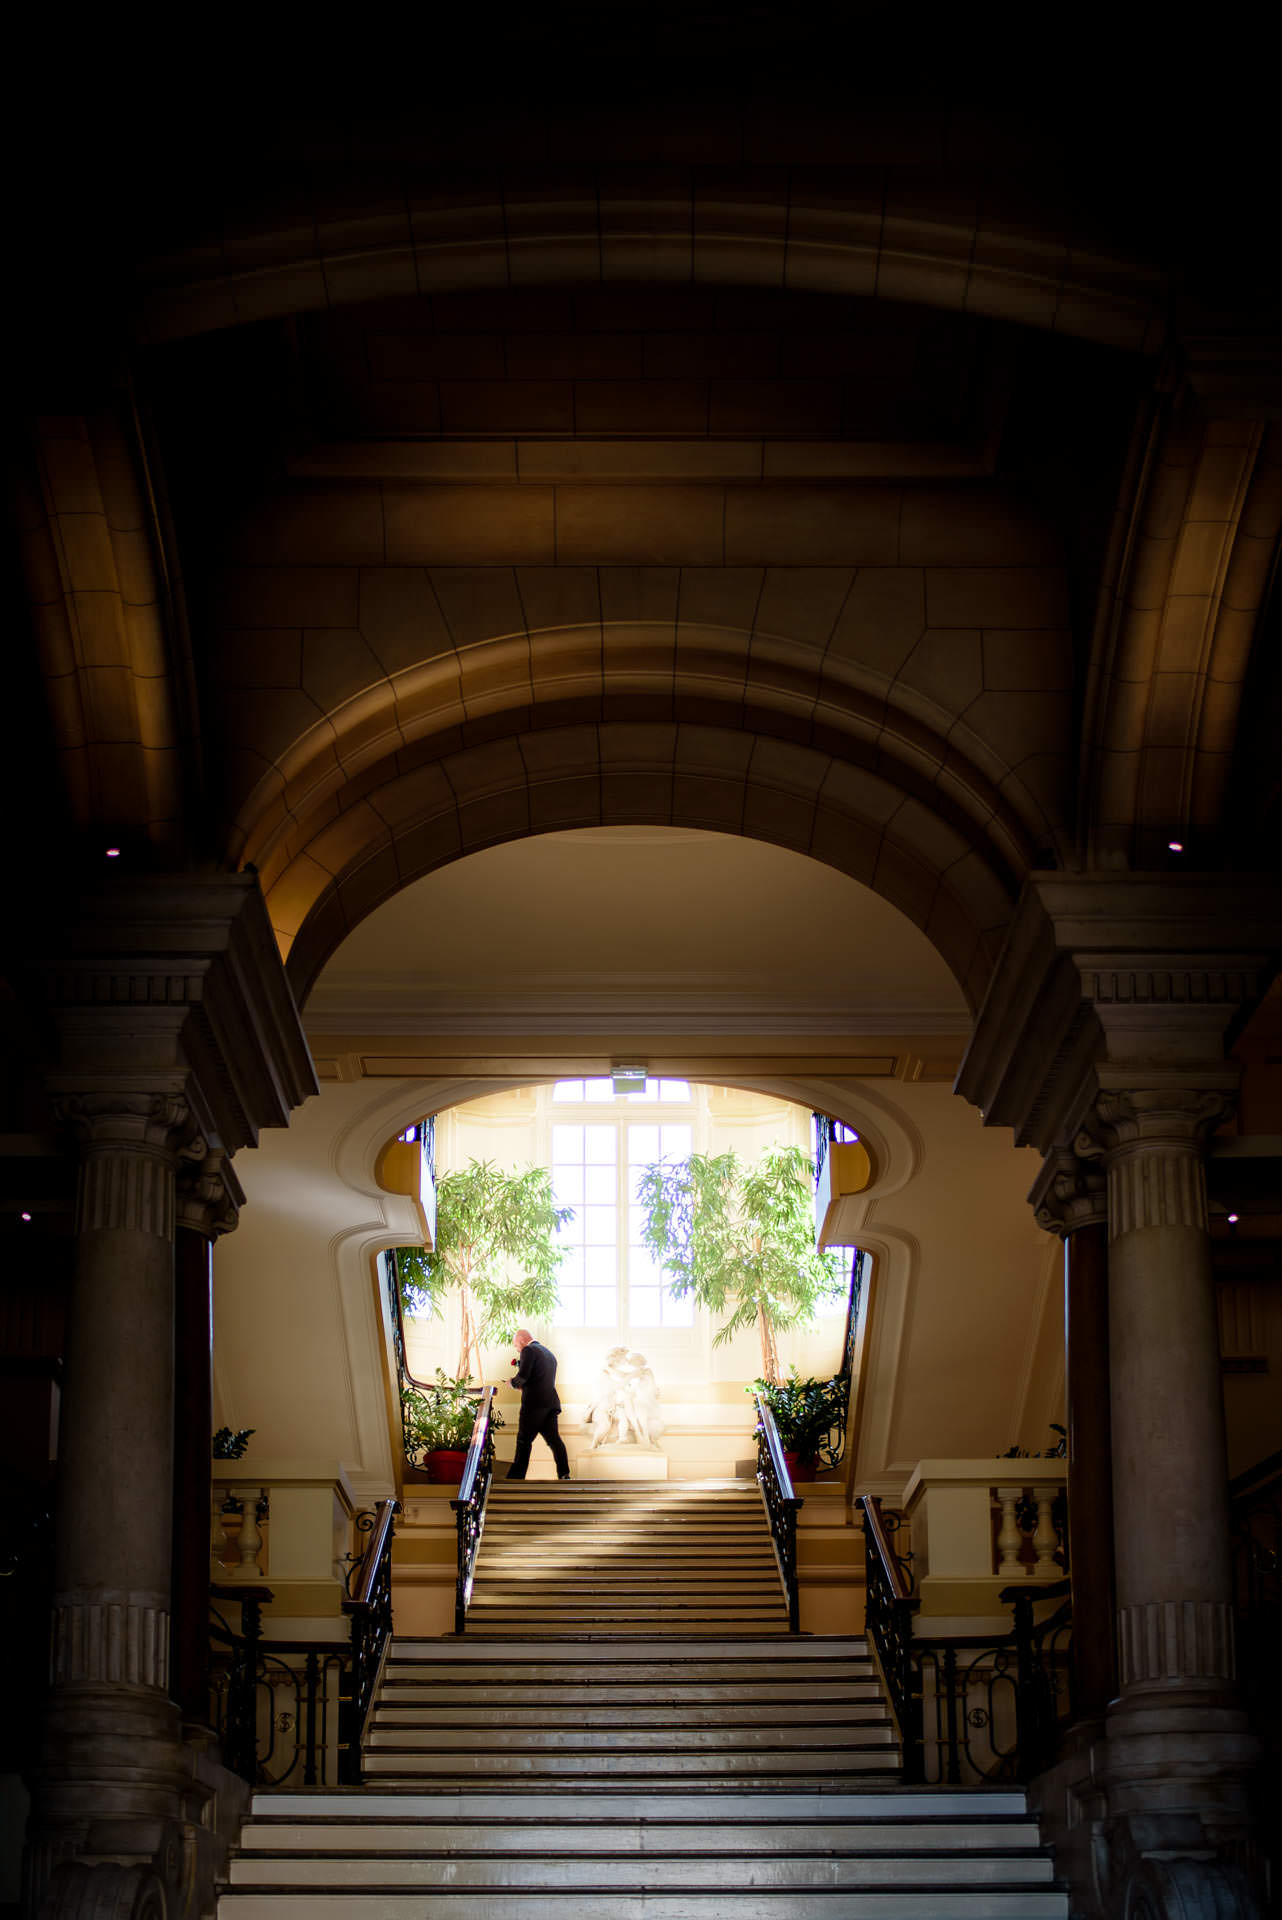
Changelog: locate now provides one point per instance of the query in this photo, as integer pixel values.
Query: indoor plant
(741, 1238)
(805, 1413)
(438, 1424)
(496, 1242)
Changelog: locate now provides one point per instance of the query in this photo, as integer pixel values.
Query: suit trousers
(527, 1432)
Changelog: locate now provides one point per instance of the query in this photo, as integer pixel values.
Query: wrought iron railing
(327, 1686)
(969, 1708)
(782, 1506)
(469, 1508)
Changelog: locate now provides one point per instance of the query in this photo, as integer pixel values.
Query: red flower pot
(445, 1465)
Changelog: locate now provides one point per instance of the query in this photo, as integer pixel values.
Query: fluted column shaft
(112, 1572)
(1170, 1487)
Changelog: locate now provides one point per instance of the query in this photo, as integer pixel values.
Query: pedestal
(622, 1463)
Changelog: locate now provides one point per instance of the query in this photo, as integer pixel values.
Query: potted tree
(740, 1237)
(805, 1413)
(438, 1424)
(496, 1244)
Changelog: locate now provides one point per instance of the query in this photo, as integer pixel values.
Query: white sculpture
(626, 1409)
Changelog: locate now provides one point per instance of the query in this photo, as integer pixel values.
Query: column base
(130, 1819)
(1149, 1811)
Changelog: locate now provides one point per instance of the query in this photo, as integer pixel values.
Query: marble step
(899, 1805)
(635, 1768)
(551, 1710)
(605, 1903)
(729, 1873)
(624, 1738)
(773, 1696)
(637, 1677)
(756, 1654)
(621, 1837)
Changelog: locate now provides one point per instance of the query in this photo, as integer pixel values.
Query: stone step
(660, 1694)
(557, 1668)
(731, 1874)
(625, 1738)
(549, 1710)
(606, 1835)
(759, 1653)
(633, 1767)
(605, 1903)
(981, 1806)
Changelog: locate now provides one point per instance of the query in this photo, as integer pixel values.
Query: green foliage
(741, 1238)
(805, 1411)
(441, 1416)
(227, 1445)
(496, 1243)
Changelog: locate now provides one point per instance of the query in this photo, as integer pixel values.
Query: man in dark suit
(540, 1405)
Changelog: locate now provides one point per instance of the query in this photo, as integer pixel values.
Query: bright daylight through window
(596, 1161)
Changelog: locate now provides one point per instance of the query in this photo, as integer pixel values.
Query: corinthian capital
(156, 1122)
(1172, 1117)
(210, 1197)
(1069, 1193)
(1151, 1143)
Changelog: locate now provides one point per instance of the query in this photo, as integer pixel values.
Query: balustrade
(782, 1506)
(314, 1739)
(469, 1508)
(970, 1708)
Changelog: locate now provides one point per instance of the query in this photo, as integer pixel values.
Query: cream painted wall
(965, 1347)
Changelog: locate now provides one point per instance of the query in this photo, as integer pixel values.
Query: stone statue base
(619, 1462)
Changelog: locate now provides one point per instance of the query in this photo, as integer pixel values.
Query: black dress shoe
(562, 1476)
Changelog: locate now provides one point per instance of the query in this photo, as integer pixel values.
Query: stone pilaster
(1070, 1199)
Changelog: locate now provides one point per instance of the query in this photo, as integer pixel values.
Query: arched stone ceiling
(611, 922)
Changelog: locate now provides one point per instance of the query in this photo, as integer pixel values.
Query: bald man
(540, 1404)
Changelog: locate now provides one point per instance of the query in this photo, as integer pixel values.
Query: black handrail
(328, 1669)
(469, 1508)
(970, 1681)
(369, 1610)
(890, 1607)
(782, 1506)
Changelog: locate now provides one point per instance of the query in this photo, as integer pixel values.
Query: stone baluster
(1009, 1538)
(1045, 1539)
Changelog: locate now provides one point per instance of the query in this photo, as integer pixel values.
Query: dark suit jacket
(536, 1377)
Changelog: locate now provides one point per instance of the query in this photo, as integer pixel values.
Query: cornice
(176, 982)
(1114, 980)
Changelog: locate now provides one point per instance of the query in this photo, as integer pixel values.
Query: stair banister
(782, 1505)
(370, 1612)
(469, 1508)
(890, 1608)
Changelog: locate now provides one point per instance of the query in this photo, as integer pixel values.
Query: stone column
(106, 1783)
(209, 1200)
(175, 1039)
(1179, 1753)
(1070, 1200)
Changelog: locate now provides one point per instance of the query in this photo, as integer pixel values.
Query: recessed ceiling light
(1232, 1219)
(113, 853)
(26, 1216)
(1175, 846)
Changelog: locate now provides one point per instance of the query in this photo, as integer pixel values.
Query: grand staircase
(631, 1736)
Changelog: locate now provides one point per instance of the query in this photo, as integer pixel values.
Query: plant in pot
(740, 1237)
(438, 1424)
(805, 1413)
(496, 1243)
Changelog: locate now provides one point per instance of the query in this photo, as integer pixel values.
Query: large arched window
(599, 1144)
